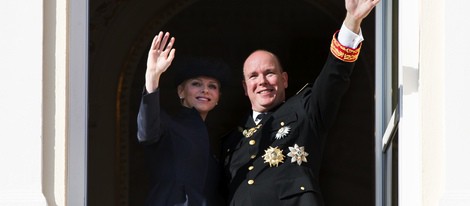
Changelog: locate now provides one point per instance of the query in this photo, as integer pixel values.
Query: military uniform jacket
(277, 162)
(178, 154)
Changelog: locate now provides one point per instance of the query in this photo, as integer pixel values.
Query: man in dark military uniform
(275, 159)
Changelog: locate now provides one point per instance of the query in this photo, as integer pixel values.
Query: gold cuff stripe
(343, 53)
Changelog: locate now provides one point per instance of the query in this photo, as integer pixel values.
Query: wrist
(353, 23)
(151, 87)
(152, 81)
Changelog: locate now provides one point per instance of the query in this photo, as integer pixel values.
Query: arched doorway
(299, 32)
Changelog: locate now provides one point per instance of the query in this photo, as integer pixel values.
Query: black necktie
(260, 116)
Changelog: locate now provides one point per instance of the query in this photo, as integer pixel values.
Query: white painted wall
(21, 37)
(434, 129)
(457, 103)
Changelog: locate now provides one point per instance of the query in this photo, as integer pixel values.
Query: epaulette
(305, 86)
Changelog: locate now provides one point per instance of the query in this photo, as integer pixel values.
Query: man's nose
(262, 80)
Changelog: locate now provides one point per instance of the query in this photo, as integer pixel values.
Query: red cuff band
(343, 53)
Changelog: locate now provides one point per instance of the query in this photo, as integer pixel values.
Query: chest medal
(273, 156)
(282, 132)
(297, 154)
(249, 132)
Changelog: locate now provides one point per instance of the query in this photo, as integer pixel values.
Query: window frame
(387, 107)
(77, 109)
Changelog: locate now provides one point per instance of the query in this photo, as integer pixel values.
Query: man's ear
(285, 79)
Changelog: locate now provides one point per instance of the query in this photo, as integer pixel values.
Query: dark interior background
(298, 31)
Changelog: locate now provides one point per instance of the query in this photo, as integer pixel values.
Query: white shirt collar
(255, 114)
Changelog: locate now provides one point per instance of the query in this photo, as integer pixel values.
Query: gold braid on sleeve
(343, 53)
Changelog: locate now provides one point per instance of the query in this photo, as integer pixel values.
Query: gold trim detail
(343, 53)
(249, 132)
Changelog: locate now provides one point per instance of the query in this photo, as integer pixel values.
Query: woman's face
(202, 93)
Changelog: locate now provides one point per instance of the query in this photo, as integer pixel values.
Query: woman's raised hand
(159, 59)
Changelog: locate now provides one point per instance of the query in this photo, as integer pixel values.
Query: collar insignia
(273, 156)
(283, 131)
(297, 154)
(249, 132)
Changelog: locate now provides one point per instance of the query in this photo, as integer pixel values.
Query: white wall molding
(432, 99)
(409, 133)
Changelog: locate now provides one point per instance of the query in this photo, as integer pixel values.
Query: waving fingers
(161, 47)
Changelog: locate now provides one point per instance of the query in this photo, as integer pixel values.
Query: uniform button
(253, 156)
(251, 168)
(302, 188)
(252, 142)
(250, 182)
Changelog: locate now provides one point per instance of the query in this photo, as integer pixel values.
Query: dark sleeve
(324, 97)
(149, 127)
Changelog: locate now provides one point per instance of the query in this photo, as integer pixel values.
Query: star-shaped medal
(297, 154)
(273, 156)
(282, 132)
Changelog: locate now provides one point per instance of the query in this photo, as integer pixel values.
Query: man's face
(264, 81)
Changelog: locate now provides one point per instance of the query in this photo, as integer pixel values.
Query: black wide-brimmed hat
(191, 67)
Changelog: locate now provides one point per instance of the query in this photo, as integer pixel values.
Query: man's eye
(272, 74)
